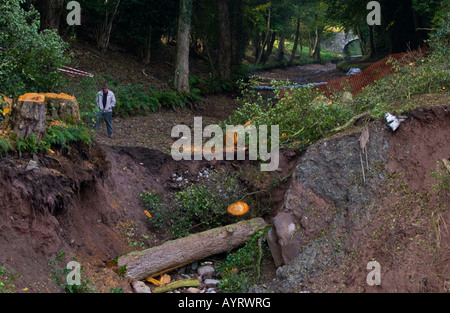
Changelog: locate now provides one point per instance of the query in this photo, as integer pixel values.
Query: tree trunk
(181, 81)
(143, 264)
(362, 43)
(316, 49)
(280, 52)
(50, 11)
(239, 38)
(146, 50)
(266, 55)
(224, 40)
(372, 41)
(28, 116)
(261, 50)
(103, 31)
(294, 49)
(62, 107)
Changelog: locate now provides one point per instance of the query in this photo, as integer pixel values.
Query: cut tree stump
(143, 264)
(28, 116)
(62, 107)
(30, 111)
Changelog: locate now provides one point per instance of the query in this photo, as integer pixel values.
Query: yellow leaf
(6, 111)
(165, 279)
(147, 213)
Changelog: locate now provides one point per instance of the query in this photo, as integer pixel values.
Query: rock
(326, 198)
(8, 161)
(206, 270)
(211, 282)
(194, 265)
(281, 236)
(140, 287)
(193, 290)
(32, 165)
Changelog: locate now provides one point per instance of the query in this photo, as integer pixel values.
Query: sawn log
(143, 264)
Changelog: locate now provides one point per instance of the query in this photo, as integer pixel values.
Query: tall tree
(141, 24)
(102, 15)
(224, 40)
(50, 11)
(294, 48)
(181, 80)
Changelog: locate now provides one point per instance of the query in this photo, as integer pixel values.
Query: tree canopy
(220, 31)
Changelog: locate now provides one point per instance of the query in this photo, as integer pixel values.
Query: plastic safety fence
(355, 83)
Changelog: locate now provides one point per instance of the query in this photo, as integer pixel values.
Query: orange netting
(356, 82)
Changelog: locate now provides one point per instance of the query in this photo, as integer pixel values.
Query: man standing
(106, 101)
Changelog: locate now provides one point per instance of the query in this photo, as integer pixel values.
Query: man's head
(105, 88)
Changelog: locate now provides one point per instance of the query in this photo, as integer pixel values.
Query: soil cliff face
(335, 220)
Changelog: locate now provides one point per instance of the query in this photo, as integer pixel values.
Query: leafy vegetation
(415, 75)
(305, 115)
(241, 269)
(196, 207)
(31, 57)
(59, 275)
(7, 278)
(63, 135)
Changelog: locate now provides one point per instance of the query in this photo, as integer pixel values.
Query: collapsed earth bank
(328, 220)
(348, 206)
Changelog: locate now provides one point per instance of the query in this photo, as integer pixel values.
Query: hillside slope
(334, 220)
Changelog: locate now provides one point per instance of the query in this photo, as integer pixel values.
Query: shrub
(198, 207)
(241, 269)
(31, 58)
(302, 114)
(416, 74)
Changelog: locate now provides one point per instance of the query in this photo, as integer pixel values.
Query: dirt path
(154, 130)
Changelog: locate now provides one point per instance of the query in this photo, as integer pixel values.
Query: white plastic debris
(353, 71)
(392, 121)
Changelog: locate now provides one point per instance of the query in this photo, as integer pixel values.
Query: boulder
(327, 180)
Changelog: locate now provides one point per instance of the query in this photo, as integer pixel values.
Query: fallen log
(142, 264)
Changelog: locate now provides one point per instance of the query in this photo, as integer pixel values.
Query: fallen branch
(351, 121)
(191, 282)
(143, 264)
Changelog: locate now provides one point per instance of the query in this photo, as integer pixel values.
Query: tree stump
(62, 107)
(28, 116)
